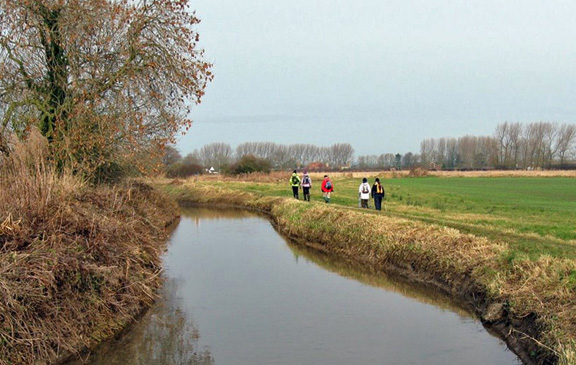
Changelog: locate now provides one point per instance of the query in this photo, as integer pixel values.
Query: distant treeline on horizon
(539, 145)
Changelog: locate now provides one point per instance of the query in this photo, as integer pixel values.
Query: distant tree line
(540, 145)
(257, 156)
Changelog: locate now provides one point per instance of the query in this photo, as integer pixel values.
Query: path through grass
(535, 215)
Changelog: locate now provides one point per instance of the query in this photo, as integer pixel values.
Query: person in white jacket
(364, 193)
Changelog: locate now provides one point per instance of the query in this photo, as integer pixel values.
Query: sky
(382, 75)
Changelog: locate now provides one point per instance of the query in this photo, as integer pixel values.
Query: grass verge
(529, 300)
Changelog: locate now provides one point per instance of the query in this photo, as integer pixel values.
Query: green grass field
(534, 215)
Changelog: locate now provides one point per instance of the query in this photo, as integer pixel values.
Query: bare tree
(103, 80)
(368, 161)
(281, 158)
(409, 160)
(509, 140)
(441, 152)
(386, 160)
(427, 149)
(171, 156)
(566, 139)
(341, 155)
(532, 145)
(192, 159)
(452, 153)
(217, 155)
(467, 150)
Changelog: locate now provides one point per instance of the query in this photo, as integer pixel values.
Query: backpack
(328, 185)
(365, 189)
(306, 181)
(294, 180)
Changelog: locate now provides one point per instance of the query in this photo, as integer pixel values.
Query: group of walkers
(376, 192)
(306, 183)
(365, 191)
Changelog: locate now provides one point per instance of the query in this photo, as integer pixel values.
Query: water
(238, 293)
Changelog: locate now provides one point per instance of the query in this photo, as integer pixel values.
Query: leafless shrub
(417, 171)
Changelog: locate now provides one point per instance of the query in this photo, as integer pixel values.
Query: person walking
(295, 183)
(364, 193)
(327, 188)
(378, 194)
(306, 185)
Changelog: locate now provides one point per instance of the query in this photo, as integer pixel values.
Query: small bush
(417, 172)
(249, 164)
(183, 170)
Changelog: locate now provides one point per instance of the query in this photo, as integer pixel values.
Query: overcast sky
(381, 75)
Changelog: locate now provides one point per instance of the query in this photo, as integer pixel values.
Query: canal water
(237, 292)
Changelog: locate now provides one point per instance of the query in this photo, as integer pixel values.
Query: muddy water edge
(236, 293)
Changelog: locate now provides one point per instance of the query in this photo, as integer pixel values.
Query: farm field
(535, 215)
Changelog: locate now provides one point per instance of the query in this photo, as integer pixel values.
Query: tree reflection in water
(165, 335)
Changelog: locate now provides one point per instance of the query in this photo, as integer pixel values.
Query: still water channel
(236, 292)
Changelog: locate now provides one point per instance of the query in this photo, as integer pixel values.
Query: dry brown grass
(280, 176)
(538, 297)
(76, 264)
(507, 173)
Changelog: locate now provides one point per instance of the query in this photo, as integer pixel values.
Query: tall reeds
(28, 183)
(77, 263)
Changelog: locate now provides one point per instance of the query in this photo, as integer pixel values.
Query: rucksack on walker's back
(306, 181)
(328, 185)
(365, 189)
(294, 180)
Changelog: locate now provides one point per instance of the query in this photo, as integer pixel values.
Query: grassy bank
(77, 264)
(525, 293)
(535, 213)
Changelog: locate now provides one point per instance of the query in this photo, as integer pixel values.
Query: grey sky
(381, 75)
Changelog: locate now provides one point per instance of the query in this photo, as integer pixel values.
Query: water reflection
(198, 214)
(378, 279)
(164, 336)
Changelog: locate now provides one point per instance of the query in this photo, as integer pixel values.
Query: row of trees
(221, 155)
(513, 146)
(535, 145)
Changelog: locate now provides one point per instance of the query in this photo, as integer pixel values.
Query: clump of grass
(418, 172)
(76, 263)
(439, 206)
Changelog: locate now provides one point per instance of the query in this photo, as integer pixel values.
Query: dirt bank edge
(471, 269)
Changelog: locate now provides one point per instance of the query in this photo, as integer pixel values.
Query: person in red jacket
(327, 188)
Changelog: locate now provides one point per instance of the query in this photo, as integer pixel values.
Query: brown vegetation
(279, 176)
(76, 263)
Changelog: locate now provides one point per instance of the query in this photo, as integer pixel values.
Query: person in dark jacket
(378, 194)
